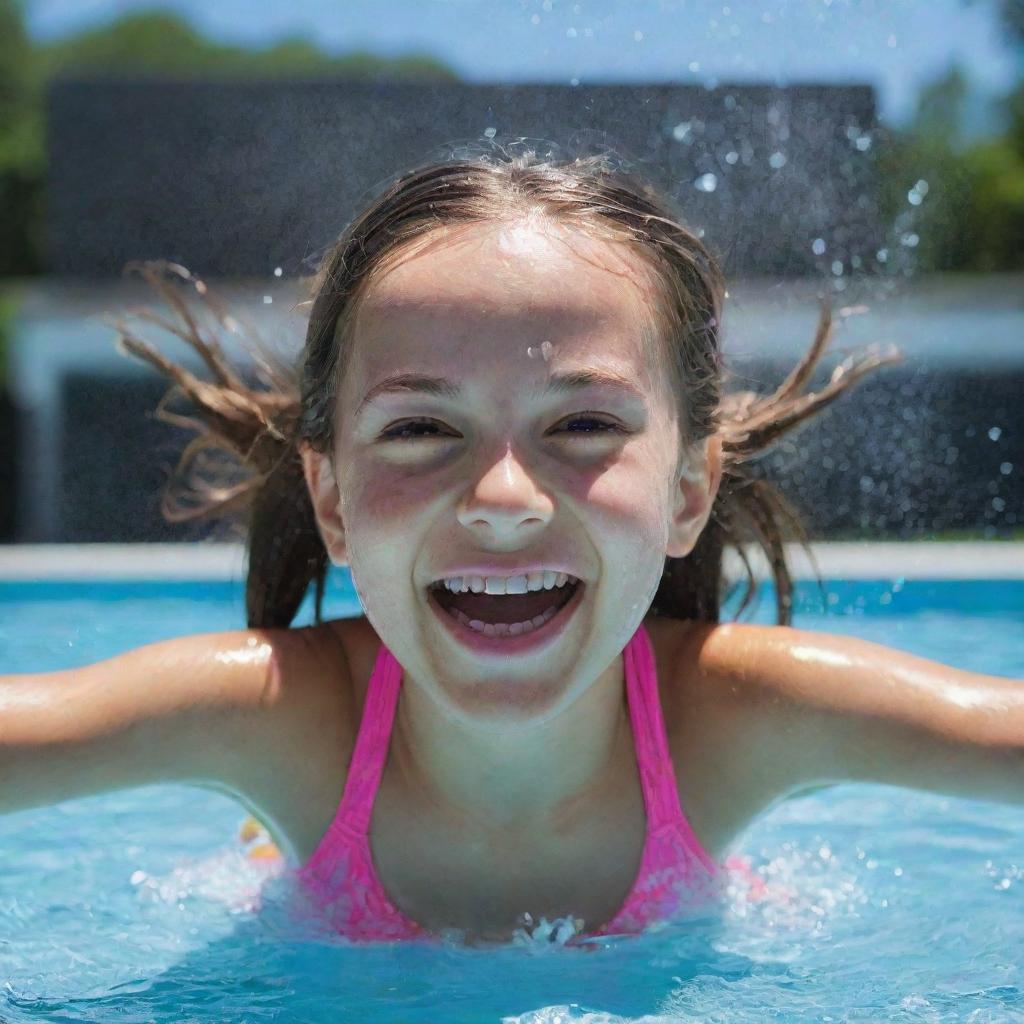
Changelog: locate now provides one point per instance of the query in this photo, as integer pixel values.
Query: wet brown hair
(259, 425)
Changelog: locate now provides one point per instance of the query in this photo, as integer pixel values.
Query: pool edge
(953, 560)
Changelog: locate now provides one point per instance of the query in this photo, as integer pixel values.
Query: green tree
(159, 44)
(21, 147)
(970, 216)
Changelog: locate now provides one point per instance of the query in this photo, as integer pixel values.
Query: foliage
(21, 148)
(8, 308)
(159, 44)
(971, 215)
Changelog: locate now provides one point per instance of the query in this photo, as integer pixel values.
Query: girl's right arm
(196, 708)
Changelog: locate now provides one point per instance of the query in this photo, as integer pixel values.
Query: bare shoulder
(701, 664)
(359, 644)
(714, 686)
(738, 664)
(222, 709)
(274, 713)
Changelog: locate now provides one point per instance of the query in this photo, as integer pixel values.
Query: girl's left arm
(805, 709)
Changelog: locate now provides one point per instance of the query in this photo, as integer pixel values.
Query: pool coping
(851, 560)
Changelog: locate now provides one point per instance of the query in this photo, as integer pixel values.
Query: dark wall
(235, 179)
(10, 424)
(907, 453)
(114, 459)
(910, 453)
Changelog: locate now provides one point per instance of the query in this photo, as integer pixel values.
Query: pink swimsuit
(675, 872)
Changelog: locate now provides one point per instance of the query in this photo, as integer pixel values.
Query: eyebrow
(440, 387)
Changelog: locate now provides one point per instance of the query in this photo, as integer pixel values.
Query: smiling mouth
(504, 614)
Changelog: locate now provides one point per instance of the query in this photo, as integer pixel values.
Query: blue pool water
(887, 905)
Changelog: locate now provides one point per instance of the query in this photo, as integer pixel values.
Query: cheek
(386, 496)
(629, 497)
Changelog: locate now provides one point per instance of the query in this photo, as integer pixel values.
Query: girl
(509, 426)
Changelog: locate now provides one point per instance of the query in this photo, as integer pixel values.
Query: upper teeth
(544, 580)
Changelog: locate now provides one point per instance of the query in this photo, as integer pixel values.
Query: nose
(504, 500)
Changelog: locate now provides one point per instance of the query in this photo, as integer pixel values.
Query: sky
(895, 45)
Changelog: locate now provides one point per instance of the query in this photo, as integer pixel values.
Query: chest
(445, 875)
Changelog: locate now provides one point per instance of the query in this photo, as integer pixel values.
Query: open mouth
(504, 615)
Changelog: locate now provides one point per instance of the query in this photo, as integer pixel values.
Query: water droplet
(694, 66)
(1006, 468)
(882, 255)
(818, 247)
(910, 239)
(863, 143)
(489, 133)
(777, 160)
(571, 33)
(278, 271)
(638, 36)
(732, 156)
(837, 268)
(706, 183)
(994, 433)
(535, 19)
(682, 130)
(268, 299)
(574, 81)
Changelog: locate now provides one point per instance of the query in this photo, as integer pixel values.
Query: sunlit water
(878, 904)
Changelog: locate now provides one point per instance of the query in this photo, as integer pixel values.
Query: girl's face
(507, 404)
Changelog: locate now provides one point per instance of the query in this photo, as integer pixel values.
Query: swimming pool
(884, 904)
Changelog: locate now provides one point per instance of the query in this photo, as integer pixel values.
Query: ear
(326, 501)
(699, 475)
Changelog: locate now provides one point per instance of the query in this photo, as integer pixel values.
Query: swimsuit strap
(371, 749)
(654, 761)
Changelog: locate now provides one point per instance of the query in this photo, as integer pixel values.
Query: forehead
(485, 295)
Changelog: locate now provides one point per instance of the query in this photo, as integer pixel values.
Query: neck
(526, 773)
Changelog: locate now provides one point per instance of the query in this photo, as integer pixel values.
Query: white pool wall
(848, 560)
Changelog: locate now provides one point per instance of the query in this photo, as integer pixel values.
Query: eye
(413, 430)
(593, 425)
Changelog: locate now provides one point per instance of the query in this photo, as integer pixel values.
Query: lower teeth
(504, 628)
